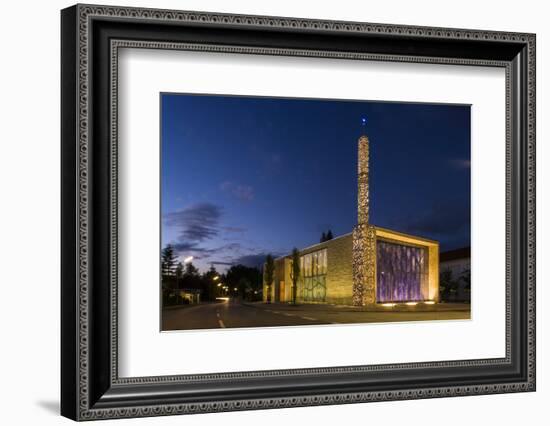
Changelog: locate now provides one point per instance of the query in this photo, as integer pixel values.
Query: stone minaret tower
(364, 234)
(363, 180)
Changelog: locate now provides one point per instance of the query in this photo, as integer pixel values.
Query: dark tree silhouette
(269, 271)
(466, 278)
(447, 284)
(326, 236)
(191, 270)
(247, 280)
(210, 280)
(168, 261)
(179, 271)
(168, 275)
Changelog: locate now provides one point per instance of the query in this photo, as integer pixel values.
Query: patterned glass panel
(313, 279)
(401, 272)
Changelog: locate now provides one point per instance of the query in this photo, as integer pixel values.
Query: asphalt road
(233, 314)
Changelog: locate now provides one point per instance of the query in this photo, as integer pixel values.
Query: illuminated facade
(370, 265)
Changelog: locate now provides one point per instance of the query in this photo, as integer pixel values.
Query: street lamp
(188, 259)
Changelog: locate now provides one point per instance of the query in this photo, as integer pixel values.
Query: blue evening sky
(246, 176)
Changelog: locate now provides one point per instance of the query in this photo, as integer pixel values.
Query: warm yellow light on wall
(429, 302)
(411, 303)
(388, 305)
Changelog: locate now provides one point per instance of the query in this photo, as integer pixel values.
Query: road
(233, 314)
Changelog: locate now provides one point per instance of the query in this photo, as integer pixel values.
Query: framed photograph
(263, 212)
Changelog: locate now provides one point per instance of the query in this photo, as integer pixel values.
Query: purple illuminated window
(401, 272)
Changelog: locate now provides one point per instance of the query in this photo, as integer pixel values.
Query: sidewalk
(325, 307)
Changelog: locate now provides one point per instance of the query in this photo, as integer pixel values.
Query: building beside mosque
(368, 266)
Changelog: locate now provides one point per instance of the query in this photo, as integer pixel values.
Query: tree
(247, 279)
(244, 287)
(191, 270)
(209, 282)
(168, 275)
(179, 271)
(168, 261)
(447, 284)
(269, 271)
(168, 272)
(466, 278)
(295, 272)
(326, 237)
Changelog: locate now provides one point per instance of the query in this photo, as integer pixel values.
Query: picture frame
(90, 385)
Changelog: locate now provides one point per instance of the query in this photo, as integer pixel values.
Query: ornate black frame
(91, 37)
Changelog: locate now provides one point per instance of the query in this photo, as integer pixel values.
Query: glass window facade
(401, 272)
(313, 267)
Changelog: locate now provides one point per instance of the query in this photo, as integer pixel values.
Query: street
(232, 313)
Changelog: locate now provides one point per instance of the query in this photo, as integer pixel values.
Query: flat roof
(316, 244)
(391, 231)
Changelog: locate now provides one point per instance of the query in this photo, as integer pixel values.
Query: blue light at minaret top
(363, 125)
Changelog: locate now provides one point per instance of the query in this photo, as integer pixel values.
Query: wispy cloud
(240, 192)
(448, 222)
(197, 222)
(234, 229)
(219, 262)
(460, 164)
(200, 233)
(443, 217)
(185, 247)
(253, 260)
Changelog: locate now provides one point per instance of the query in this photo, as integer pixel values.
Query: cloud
(240, 192)
(185, 247)
(197, 222)
(217, 262)
(442, 218)
(199, 227)
(460, 164)
(447, 222)
(253, 260)
(235, 229)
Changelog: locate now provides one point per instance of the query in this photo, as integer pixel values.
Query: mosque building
(370, 265)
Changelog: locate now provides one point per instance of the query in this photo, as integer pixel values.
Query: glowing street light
(188, 259)
(216, 278)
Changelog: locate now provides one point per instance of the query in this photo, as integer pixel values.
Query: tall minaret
(364, 234)
(363, 176)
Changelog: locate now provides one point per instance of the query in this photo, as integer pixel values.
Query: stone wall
(339, 270)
